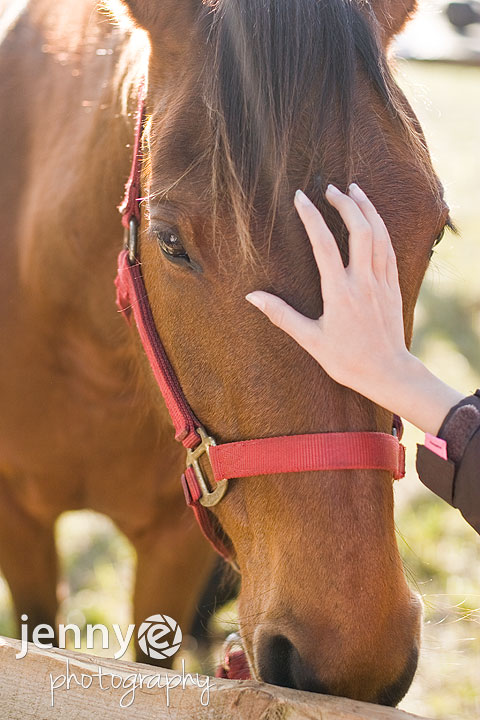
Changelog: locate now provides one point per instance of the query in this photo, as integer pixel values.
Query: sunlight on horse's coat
(10, 11)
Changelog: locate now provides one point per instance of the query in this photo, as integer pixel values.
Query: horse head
(248, 100)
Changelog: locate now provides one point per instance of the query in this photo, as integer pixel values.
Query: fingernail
(334, 190)
(302, 199)
(357, 191)
(255, 300)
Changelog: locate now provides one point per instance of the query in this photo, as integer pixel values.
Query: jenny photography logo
(159, 637)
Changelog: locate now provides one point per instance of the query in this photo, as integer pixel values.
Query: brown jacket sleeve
(457, 480)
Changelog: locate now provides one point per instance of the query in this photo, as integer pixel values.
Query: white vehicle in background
(463, 14)
(442, 31)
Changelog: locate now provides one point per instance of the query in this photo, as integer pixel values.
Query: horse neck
(100, 156)
(79, 162)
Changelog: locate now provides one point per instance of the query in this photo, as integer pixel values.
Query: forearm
(410, 390)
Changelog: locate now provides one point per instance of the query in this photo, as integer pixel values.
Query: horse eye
(170, 244)
(438, 240)
(439, 237)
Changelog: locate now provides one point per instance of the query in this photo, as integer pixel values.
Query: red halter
(247, 458)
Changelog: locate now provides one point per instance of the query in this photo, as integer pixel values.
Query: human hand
(359, 340)
(360, 336)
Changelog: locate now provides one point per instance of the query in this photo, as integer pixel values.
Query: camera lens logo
(159, 636)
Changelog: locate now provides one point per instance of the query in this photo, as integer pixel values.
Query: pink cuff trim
(436, 445)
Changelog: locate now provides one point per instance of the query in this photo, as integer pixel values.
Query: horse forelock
(275, 70)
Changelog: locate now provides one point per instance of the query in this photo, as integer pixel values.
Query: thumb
(282, 315)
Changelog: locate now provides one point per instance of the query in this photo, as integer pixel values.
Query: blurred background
(441, 77)
(439, 69)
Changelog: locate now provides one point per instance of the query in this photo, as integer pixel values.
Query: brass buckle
(208, 498)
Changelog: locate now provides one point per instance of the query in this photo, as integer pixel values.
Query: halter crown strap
(130, 207)
(267, 456)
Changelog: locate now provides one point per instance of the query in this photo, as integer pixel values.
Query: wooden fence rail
(29, 686)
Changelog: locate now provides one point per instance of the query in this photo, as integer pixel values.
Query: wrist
(384, 382)
(416, 394)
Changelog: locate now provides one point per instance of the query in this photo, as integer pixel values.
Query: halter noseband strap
(247, 458)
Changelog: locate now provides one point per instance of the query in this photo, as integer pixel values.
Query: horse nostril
(279, 663)
(275, 661)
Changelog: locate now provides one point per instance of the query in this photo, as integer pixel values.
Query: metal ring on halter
(131, 239)
(209, 498)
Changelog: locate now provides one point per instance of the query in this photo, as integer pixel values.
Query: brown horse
(247, 100)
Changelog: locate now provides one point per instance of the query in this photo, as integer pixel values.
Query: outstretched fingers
(382, 248)
(371, 257)
(361, 240)
(325, 249)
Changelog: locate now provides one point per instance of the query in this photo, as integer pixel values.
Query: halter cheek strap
(247, 458)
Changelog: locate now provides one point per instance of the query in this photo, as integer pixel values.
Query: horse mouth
(278, 662)
(394, 693)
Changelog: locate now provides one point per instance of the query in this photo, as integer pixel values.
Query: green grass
(440, 551)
